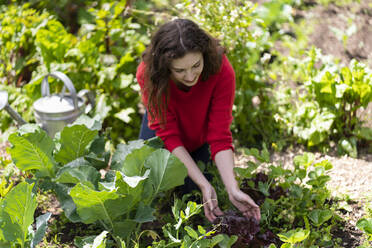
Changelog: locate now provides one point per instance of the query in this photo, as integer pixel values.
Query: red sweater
(201, 115)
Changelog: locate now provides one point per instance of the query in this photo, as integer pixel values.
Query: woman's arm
(225, 164)
(211, 208)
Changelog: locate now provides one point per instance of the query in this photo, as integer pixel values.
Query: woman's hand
(211, 209)
(245, 204)
(225, 164)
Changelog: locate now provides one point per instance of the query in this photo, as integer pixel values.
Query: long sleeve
(170, 133)
(220, 114)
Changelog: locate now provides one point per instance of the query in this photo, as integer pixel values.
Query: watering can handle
(66, 81)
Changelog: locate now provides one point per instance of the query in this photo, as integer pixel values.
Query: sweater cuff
(215, 148)
(172, 142)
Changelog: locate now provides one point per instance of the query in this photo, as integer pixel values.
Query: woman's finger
(247, 206)
(217, 211)
(257, 213)
(209, 213)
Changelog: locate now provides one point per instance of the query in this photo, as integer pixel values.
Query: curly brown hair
(172, 41)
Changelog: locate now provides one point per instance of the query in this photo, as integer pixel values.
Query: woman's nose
(189, 76)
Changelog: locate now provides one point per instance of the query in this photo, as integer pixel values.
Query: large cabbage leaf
(33, 151)
(74, 141)
(167, 171)
(17, 213)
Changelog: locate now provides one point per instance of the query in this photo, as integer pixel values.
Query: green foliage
(365, 224)
(294, 236)
(72, 149)
(181, 234)
(5, 186)
(122, 200)
(102, 56)
(33, 151)
(20, 102)
(92, 241)
(98, 205)
(318, 217)
(303, 215)
(18, 28)
(164, 167)
(53, 42)
(18, 56)
(17, 215)
(327, 108)
(41, 227)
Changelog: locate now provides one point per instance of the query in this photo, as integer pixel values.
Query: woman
(188, 88)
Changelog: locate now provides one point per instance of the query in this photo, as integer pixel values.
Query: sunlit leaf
(167, 171)
(74, 142)
(318, 217)
(33, 150)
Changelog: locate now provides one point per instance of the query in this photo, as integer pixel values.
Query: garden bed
(349, 181)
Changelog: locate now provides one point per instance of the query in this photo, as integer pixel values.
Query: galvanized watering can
(54, 112)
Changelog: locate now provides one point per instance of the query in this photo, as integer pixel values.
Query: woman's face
(186, 70)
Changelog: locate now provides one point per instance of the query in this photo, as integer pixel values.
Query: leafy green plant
(18, 28)
(70, 164)
(365, 224)
(16, 216)
(93, 241)
(5, 186)
(182, 234)
(327, 108)
(20, 102)
(18, 56)
(101, 56)
(293, 237)
(292, 198)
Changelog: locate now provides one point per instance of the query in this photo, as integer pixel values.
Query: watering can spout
(5, 105)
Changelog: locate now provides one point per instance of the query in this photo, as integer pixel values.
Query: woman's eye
(196, 66)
